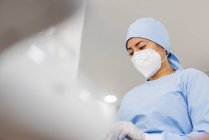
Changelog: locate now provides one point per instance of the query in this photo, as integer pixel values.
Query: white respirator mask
(147, 61)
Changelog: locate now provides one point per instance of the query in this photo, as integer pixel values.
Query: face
(138, 44)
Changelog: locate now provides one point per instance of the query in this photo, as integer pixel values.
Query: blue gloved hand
(125, 131)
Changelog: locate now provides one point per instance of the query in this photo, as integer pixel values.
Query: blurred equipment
(23, 18)
(40, 96)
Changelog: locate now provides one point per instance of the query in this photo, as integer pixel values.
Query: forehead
(132, 41)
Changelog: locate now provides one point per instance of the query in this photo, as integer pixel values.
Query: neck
(165, 69)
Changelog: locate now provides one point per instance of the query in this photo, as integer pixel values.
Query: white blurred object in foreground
(39, 96)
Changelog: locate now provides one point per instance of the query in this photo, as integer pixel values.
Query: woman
(173, 103)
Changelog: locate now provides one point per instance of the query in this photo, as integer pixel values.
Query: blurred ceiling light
(110, 98)
(36, 54)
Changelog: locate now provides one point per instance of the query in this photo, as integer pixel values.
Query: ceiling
(103, 57)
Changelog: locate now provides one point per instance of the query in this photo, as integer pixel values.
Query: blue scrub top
(176, 106)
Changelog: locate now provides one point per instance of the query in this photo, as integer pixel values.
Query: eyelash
(131, 53)
(140, 48)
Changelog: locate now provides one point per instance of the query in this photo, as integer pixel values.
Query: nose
(135, 49)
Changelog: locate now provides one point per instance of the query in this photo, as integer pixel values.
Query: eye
(131, 53)
(142, 47)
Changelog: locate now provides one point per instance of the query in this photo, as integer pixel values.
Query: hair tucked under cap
(153, 30)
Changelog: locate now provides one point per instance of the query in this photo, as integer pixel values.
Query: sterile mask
(147, 61)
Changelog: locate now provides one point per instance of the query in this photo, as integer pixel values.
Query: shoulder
(192, 73)
(192, 70)
(193, 78)
(135, 91)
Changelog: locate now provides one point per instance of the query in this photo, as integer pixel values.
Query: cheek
(161, 53)
(162, 56)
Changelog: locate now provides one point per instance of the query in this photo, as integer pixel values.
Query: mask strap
(164, 58)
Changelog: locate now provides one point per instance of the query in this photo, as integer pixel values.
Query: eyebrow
(128, 48)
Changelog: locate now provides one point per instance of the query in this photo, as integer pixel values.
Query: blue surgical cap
(153, 30)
